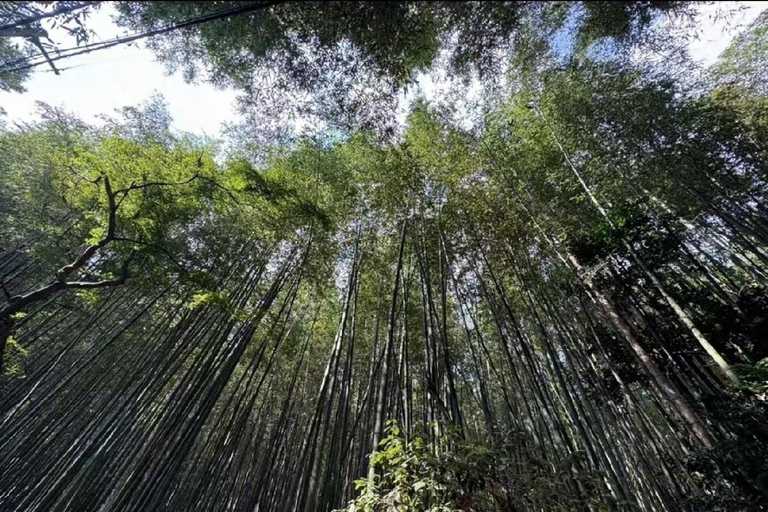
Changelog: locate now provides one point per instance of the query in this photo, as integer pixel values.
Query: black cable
(128, 39)
(87, 48)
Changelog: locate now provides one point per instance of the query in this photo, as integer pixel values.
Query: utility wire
(87, 48)
(128, 39)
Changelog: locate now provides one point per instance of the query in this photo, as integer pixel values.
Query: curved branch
(222, 187)
(105, 283)
(154, 246)
(138, 186)
(19, 302)
(84, 178)
(64, 272)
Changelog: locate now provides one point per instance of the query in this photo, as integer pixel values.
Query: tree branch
(64, 272)
(196, 176)
(155, 246)
(84, 178)
(107, 282)
(111, 223)
(222, 187)
(63, 9)
(19, 302)
(138, 186)
(36, 41)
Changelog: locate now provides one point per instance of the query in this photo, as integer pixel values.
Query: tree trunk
(6, 328)
(379, 419)
(681, 314)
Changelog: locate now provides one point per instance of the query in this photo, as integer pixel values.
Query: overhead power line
(79, 50)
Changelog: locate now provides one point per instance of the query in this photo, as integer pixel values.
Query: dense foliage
(554, 300)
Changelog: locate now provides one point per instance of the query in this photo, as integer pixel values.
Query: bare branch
(64, 272)
(36, 41)
(19, 302)
(222, 187)
(111, 223)
(154, 246)
(84, 178)
(105, 283)
(138, 186)
(125, 194)
(146, 184)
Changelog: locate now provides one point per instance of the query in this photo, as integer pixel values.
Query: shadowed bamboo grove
(561, 308)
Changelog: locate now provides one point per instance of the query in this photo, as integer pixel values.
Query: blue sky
(100, 82)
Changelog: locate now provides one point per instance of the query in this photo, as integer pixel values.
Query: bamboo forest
(538, 283)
